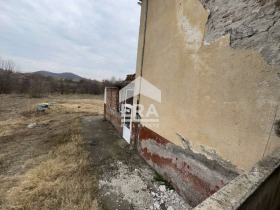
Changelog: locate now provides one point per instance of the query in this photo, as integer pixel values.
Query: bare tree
(36, 87)
(5, 81)
(7, 68)
(8, 65)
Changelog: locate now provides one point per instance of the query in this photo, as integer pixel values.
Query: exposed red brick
(111, 111)
(146, 133)
(186, 174)
(181, 168)
(188, 180)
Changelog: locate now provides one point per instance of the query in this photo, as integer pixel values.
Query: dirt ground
(46, 167)
(72, 159)
(126, 181)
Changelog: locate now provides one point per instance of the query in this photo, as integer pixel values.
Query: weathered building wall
(111, 106)
(252, 24)
(223, 100)
(193, 175)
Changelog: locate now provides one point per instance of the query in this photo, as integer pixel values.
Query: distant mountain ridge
(65, 75)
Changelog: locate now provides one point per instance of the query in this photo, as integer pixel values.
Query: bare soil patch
(126, 181)
(46, 167)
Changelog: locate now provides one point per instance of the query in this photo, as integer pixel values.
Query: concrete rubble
(32, 125)
(139, 188)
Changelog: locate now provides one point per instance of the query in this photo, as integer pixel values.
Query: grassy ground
(46, 167)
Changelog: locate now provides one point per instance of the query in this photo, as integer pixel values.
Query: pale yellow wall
(215, 96)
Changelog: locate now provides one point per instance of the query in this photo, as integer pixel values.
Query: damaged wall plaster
(223, 100)
(193, 38)
(252, 24)
(193, 175)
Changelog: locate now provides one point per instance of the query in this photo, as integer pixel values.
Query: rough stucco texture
(252, 24)
(222, 100)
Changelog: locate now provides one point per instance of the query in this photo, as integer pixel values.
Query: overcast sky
(93, 38)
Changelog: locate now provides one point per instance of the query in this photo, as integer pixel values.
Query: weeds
(159, 178)
(61, 181)
(46, 167)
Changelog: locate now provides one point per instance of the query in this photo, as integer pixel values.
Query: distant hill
(66, 75)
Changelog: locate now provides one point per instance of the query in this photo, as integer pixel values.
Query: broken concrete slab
(257, 189)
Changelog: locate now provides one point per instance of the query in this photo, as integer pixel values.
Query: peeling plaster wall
(193, 175)
(223, 100)
(252, 24)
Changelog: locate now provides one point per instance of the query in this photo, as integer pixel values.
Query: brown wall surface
(111, 106)
(223, 100)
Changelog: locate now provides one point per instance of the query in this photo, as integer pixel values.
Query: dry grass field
(46, 167)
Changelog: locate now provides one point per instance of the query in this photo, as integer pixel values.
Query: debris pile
(138, 187)
(165, 198)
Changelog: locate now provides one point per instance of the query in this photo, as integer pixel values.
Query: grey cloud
(96, 39)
